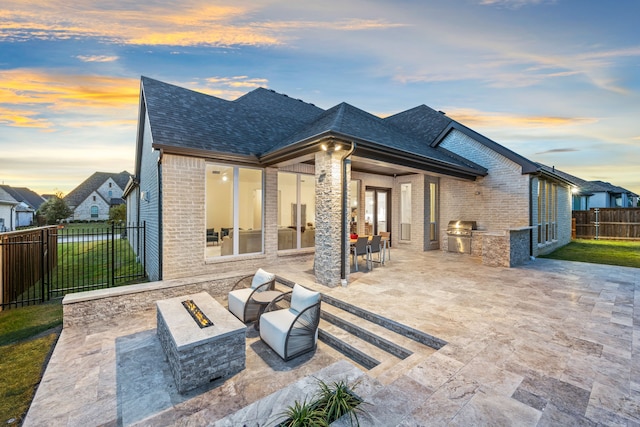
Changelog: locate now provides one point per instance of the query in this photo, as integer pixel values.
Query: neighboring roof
(91, 184)
(6, 199)
(587, 188)
(23, 207)
(601, 186)
(23, 194)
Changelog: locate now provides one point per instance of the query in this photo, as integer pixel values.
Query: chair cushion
(274, 326)
(302, 298)
(261, 277)
(237, 301)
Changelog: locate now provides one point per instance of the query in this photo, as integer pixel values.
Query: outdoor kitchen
(507, 248)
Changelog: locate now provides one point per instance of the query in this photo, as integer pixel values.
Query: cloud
(40, 100)
(513, 4)
(195, 23)
(20, 117)
(558, 150)
(97, 58)
(472, 118)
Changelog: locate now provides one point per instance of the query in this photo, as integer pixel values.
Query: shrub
(331, 402)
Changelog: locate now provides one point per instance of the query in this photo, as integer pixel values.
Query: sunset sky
(556, 81)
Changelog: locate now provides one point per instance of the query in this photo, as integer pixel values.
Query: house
(273, 177)
(91, 200)
(596, 194)
(7, 211)
(23, 213)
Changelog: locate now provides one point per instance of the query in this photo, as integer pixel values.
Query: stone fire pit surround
(197, 355)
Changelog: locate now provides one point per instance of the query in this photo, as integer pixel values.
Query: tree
(118, 213)
(55, 209)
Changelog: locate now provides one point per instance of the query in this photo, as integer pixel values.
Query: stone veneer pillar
(329, 218)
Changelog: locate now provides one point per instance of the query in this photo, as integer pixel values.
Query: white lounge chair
(289, 324)
(240, 295)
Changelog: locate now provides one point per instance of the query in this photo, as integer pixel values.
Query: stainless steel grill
(459, 236)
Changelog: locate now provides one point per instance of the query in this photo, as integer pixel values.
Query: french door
(377, 213)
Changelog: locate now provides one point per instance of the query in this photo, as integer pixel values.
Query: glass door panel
(376, 210)
(381, 215)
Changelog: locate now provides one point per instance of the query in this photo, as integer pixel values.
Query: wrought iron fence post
(43, 266)
(113, 253)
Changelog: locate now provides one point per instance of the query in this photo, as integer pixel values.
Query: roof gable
(248, 126)
(354, 123)
(91, 184)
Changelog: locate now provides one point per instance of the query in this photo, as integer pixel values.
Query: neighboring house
(28, 204)
(268, 177)
(91, 200)
(596, 194)
(7, 211)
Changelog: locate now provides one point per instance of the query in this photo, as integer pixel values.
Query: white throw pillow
(302, 298)
(261, 277)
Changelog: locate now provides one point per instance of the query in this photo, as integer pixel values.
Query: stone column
(329, 217)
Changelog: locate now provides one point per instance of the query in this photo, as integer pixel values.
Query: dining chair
(374, 247)
(386, 243)
(360, 248)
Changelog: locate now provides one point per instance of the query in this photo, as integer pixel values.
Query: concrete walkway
(549, 343)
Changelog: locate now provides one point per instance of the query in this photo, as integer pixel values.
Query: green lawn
(612, 252)
(27, 336)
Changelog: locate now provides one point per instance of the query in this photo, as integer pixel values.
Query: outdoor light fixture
(330, 146)
(574, 190)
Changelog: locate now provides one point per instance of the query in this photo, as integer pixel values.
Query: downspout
(345, 201)
(160, 215)
(12, 210)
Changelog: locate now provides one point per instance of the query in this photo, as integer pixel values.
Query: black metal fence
(49, 262)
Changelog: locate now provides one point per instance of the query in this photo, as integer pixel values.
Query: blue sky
(556, 81)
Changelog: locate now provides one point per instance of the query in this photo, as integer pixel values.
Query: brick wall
(496, 202)
(82, 212)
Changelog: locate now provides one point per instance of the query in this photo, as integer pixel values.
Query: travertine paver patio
(549, 343)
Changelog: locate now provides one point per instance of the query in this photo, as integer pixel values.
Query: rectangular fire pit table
(197, 355)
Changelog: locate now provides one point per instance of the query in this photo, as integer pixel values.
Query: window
(110, 185)
(547, 211)
(405, 211)
(433, 211)
(234, 209)
(296, 211)
(94, 198)
(94, 211)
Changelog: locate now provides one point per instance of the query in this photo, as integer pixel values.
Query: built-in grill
(459, 233)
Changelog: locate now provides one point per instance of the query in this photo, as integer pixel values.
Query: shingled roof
(262, 122)
(23, 194)
(249, 125)
(91, 184)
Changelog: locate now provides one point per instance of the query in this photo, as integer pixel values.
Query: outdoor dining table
(385, 246)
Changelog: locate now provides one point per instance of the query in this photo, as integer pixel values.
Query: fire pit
(459, 236)
(199, 354)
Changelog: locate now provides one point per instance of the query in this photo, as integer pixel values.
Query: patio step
(391, 325)
(383, 352)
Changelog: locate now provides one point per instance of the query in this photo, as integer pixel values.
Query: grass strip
(610, 252)
(17, 324)
(20, 373)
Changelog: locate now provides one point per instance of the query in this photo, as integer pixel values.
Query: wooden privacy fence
(607, 223)
(26, 260)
